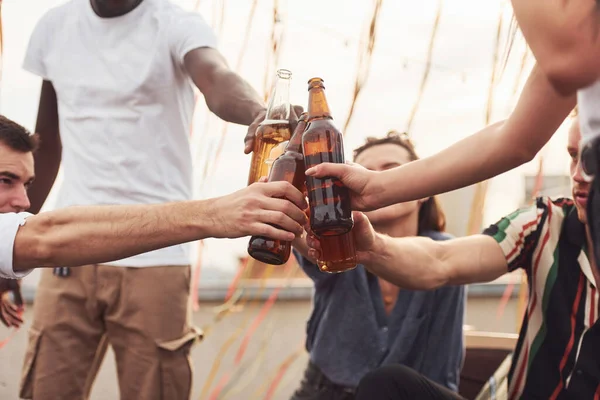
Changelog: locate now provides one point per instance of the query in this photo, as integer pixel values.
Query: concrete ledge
(490, 340)
(302, 289)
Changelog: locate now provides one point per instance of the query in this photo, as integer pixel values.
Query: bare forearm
(236, 101)
(420, 263)
(413, 263)
(471, 160)
(495, 149)
(87, 235)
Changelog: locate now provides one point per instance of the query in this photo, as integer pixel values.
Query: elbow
(566, 83)
(439, 275)
(438, 279)
(521, 150)
(216, 106)
(524, 155)
(443, 266)
(568, 73)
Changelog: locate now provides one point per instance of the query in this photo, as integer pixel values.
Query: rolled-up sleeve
(9, 226)
(518, 233)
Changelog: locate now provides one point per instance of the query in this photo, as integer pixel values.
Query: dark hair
(16, 137)
(431, 215)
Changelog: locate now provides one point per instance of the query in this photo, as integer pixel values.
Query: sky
(324, 38)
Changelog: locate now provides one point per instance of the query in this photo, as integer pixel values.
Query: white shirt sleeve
(36, 49)
(9, 225)
(189, 31)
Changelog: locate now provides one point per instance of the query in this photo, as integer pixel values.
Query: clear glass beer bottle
(275, 129)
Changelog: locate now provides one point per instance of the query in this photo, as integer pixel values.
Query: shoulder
(173, 12)
(55, 14)
(562, 205)
(51, 22)
(535, 216)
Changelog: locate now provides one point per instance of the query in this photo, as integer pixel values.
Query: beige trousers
(143, 313)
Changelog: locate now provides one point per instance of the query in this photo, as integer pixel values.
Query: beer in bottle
(287, 167)
(337, 252)
(329, 199)
(275, 129)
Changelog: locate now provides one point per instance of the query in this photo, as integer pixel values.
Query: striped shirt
(558, 351)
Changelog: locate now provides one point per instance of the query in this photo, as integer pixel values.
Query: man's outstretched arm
(420, 263)
(87, 235)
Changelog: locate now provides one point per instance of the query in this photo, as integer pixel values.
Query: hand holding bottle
(295, 112)
(364, 185)
(365, 239)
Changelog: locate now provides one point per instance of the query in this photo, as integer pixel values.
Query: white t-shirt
(9, 225)
(125, 105)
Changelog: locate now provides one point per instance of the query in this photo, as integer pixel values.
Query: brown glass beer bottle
(287, 167)
(329, 200)
(274, 130)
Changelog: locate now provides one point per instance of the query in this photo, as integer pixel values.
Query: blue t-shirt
(349, 333)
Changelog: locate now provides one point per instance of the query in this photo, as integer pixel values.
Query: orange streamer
(364, 63)
(12, 334)
(282, 370)
(259, 319)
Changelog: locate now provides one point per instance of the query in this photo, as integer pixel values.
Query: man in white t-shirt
(116, 102)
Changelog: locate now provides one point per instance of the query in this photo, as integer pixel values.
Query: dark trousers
(397, 382)
(316, 386)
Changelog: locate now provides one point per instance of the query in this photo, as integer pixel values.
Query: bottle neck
(295, 143)
(279, 103)
(317, 104)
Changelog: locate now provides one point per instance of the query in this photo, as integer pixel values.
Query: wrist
(376, 190)
(204, 216)
(376, 252)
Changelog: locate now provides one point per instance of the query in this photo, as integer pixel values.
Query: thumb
(363, 230)
(332, 170)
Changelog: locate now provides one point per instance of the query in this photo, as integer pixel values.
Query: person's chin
(378, 217)
(581, 215)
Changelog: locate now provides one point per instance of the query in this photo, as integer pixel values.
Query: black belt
(61, 271)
